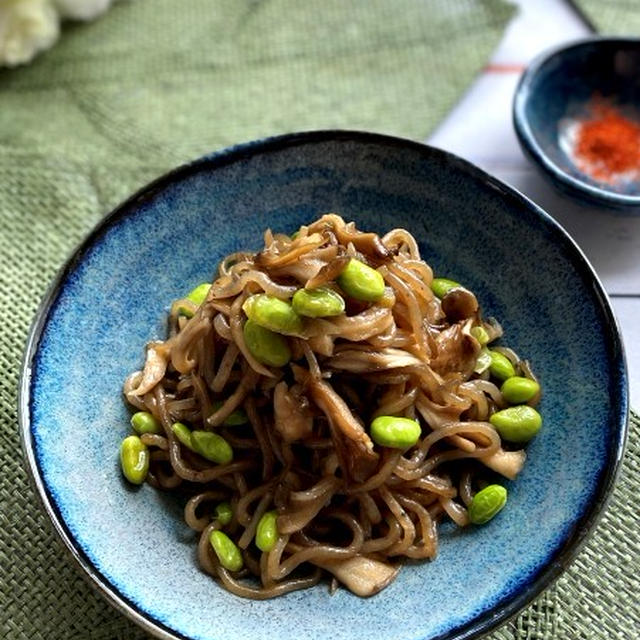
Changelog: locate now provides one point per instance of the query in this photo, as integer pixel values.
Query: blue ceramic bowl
(112, 297)
(554, 94)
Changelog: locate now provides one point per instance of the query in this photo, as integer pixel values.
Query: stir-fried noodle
(300, 432)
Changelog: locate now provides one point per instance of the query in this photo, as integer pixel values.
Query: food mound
(322, 406)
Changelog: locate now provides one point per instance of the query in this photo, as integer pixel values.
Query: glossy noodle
(341, 414)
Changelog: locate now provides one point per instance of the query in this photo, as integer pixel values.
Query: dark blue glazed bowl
(554, 93)
(112, 297)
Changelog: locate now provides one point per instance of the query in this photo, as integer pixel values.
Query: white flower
(26, 27)
(81, 9)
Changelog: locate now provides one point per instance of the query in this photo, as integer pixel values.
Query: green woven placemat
(156, 82)
(612, 17)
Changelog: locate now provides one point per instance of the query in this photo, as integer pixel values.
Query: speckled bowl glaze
(112, 297)
(555, 91)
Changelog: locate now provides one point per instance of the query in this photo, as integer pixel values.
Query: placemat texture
(612, 17)
(155, 82)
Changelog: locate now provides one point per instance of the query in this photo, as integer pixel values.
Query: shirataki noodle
(345, 505)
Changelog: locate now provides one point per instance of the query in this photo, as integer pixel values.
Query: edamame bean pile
(323, 405)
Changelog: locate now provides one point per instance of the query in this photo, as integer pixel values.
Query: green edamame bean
(183, 433)
(224, 513)
(394, 432)
(235, 418)
(144, 422)
(487, 503)
(361, 282)
(211, 446)
(273, 314)
(483, 361)
(318, 303)
(266, 346)
(501, 366)
(481, 335)
(197, 296)
(267, 531)
(440, 286)
(517, 390)
(227, 551)
(134, 459)
(517, 424)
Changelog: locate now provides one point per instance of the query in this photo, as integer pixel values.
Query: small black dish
(557, 90)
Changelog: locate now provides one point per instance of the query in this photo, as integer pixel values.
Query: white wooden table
(479, 129)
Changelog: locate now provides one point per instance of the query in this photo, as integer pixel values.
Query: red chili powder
(608, 144)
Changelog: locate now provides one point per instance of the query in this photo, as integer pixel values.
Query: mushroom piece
(355, 328)
(155, 367)
(506, 463)
(457, 350)
(302, 270)
(459, 304)
(336, 409)
(322, 344)
(353, 445)
(271, 258)
(291, 413)
(361, 575)
(358, 361)
(328, 272)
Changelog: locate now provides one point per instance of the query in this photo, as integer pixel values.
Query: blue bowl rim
(482, 624)
(527, 137)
